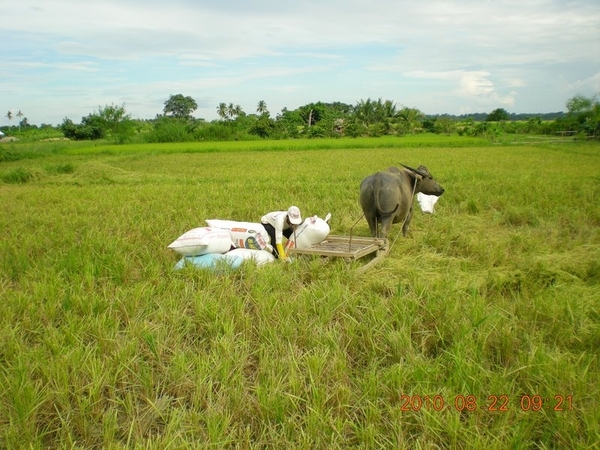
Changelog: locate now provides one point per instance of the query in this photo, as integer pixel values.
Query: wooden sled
(350, 248)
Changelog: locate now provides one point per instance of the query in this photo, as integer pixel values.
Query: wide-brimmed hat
(294, 215)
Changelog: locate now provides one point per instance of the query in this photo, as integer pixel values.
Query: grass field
(481, 329)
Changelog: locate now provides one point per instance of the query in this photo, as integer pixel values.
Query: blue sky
(67, 58)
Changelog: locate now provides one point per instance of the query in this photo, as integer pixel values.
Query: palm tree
(222, 111)
(234, 111)
(10, 116)
(411, 118)
(388, 112)
(261, 108)
(231, 110)
(19, 115)
(390, 109)
(365, 111)
(379, 110)
(238, 110)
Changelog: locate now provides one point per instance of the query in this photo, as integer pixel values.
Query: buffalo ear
(423, 169)
(423, 174)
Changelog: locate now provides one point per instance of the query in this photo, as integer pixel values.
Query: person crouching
(279, 224)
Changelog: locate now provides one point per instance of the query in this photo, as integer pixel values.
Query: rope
(352, 232)
(412, 197)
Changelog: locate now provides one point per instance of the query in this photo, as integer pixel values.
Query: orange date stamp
(492, 403)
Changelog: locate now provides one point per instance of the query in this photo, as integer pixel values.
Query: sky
(68, 58)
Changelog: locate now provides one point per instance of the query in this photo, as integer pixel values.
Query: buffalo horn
(420, 172)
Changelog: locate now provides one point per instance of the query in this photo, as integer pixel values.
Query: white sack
(427, 202)
(312, 231)
(200, 241)
(244, 234)
(260, 257)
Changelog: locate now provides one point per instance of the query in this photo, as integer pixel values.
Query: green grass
(104, 345)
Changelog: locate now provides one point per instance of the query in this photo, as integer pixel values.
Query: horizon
(15, 122)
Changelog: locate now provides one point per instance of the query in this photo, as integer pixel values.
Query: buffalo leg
(407, 222)
(386, 223)
(372, 221)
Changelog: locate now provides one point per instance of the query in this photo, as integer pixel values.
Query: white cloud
(589, 84)
(470, 87)
(475, 84)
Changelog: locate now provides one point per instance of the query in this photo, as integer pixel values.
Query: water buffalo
(387, 197)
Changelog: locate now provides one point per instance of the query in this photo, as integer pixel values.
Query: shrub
(170, 130)
(263, 127)
(61, 169)
(18, 176)
(217, 131)
(316, 131)
(81, 132)
(7, 155)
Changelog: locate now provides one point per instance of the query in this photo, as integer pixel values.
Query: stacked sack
(228, 243)
(244, 234)
(211, 247)
(202, 241)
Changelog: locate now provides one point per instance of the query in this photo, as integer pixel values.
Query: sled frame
(350, 248)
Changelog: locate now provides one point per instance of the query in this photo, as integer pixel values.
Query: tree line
(368, 117)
